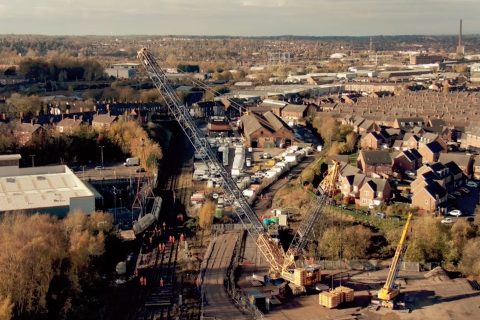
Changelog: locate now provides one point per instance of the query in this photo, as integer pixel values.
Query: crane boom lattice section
(269, 248)
(327, 187)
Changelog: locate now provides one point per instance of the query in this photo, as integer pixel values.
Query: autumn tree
(327, 128)
(429, 241)
(470, 263)
(347, 243)
(134, 140)
(206, 214)
(6, 308)
(18, 103)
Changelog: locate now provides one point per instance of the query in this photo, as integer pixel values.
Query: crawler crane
(282, 264)
(390, 289)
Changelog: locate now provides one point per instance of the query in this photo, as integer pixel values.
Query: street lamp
(101, 154)
(33, 160)
(115, 204)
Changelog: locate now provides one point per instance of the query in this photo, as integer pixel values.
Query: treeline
(122, 139)
(45, 263)
(61, 69)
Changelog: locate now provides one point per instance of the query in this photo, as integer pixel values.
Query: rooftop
(39, 187)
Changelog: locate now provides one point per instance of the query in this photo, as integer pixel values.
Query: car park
(455, 213)
(447, 221)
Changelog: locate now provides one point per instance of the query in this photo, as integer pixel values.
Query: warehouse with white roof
(49, 189)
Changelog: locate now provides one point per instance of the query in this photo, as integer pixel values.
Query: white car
(455, 213)
(410, 173)
(472, 184)
(447, 221)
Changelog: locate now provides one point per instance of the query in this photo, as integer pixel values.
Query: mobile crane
(390, 290)
(282, 264)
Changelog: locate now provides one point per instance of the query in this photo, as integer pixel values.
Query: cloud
(238, 17)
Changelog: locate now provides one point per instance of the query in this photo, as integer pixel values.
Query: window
(426, 201)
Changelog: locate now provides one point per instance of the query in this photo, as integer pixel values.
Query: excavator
(390, 290)
(283, 264)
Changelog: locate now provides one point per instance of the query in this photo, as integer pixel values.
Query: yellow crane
(390, 289)
(282, 263)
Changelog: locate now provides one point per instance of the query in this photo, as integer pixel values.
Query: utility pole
(101, 154)
(33, 160)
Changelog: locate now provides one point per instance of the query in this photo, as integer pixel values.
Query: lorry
(131, 162)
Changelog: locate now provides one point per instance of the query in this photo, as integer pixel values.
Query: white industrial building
(49, 189)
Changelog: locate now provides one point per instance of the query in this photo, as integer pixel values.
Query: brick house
(28, 132)
(429, 196)
(265, 131)
(68, 125)
(375, 140)
(407, 160)
(471, 138)
(463, 161)
(103, 121)
(368, 126)
(408, 123)
(375, 162)
(374, 192)
(430, 137)
(410, 141)
(293, 112)
(430, 152)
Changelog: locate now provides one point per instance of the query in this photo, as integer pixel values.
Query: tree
(206, 214)
(347, 243)
(25, 104)
(327, 128)
(470, 263)
(6, 308)
(429, 241)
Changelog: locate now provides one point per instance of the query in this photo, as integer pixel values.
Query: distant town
(189, 177)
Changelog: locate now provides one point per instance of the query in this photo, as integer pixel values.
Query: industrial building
(49, 189)
(122, 70)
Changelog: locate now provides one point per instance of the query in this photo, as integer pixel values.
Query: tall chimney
(460, 34)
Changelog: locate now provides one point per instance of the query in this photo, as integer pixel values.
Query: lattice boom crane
(280, 263)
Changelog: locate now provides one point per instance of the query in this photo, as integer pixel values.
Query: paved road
(217, 302)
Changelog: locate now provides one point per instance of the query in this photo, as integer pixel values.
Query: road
(218, 304)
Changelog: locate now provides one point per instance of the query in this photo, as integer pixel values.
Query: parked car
(266, 155)
(472, 184)
(447, 221)
(455, 213)
(410, 173)
(380, 215)
(99, 168)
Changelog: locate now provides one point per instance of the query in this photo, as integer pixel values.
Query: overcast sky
(239, 17)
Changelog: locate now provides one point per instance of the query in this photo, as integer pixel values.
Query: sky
(238, 17)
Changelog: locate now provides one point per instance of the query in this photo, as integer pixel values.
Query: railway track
(158, 298)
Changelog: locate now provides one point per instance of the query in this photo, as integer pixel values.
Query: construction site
(247, 268)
